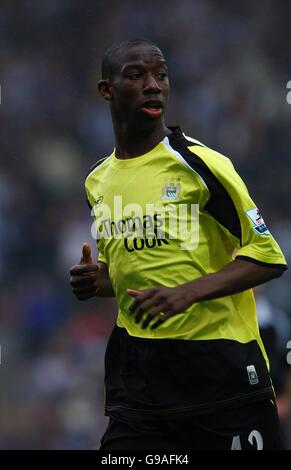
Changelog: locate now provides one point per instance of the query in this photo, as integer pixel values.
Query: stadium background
(229, 68)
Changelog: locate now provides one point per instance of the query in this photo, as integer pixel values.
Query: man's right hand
(83, 276)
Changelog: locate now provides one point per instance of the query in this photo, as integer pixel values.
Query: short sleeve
(233, 208)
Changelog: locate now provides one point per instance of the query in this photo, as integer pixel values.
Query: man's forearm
(236, 277)
(105, 288)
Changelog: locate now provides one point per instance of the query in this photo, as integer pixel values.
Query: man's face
(140, 87)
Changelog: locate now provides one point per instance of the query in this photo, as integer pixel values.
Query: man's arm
(236, 277)
(88, 279)
(258, 256)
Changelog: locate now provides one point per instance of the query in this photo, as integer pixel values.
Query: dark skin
(88, 279)
(142, 78)
(138, 94)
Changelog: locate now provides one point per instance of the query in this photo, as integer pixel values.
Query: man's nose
(151, 85)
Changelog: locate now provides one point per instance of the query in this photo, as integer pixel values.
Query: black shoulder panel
(220, 205)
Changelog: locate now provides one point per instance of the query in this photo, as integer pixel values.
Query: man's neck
(132, 143)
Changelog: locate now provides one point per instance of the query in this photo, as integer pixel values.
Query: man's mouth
(152, 108)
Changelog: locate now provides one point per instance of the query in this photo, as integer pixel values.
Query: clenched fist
(84, 276)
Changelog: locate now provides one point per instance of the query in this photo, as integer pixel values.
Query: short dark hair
(110, 61)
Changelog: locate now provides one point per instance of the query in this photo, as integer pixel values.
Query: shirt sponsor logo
(146, 226)
(260, 226)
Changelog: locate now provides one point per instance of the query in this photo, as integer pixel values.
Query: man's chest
(147, 186)
(160, 202)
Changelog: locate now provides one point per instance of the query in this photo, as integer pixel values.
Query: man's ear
(104, 89)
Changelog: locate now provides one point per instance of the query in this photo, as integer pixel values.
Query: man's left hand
(161, 303)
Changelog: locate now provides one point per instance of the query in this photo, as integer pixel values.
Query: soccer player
(185, 366)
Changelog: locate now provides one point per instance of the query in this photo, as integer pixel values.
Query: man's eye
(162, 75)
(134, 76)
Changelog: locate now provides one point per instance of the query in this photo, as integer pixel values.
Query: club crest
(171, 189)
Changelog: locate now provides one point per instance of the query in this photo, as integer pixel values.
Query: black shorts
(249, 427)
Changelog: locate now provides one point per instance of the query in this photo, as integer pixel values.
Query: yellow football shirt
(168, 217)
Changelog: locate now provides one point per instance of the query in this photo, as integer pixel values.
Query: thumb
(133, 292)
(86, 254)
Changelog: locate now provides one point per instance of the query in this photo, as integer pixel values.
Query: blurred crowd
(229, 67)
